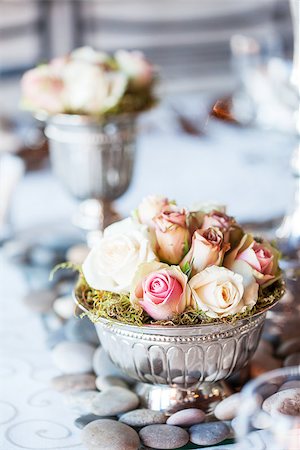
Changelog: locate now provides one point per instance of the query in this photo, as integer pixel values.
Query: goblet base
(171, 399)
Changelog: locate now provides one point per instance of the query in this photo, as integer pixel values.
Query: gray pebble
(286, 402)
(74, 382)
(82, 421)
(105, 434)
(115, 400)
(143, 417)
(81, 330)
(292, 360)
(227, 408)
(81, 401)
(290, 384)
(288, 347)
(163, 437)
(55, 337)
(104, 383)
(186, 417)
(103, 366)
(40, 301)
(64, 306)
(209, 433)
(73, 357)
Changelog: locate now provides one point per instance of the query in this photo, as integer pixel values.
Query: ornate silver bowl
(177, 366)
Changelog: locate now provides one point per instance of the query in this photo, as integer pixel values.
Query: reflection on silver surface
(94, 160)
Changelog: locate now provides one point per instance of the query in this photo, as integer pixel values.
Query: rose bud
(207, 249)
(172, 235)
(219, 292)
(134, 64)
(150, 207)
(231, 230)
(161, 290)
(262, 258)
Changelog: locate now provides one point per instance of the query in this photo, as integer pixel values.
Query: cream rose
(151, 206)
(219, 292)
(111, 265)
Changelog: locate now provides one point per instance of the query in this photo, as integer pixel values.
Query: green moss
(111, 306)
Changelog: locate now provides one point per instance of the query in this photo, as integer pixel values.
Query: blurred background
(224, 131)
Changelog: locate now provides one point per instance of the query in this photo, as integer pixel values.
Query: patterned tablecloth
(245, 170)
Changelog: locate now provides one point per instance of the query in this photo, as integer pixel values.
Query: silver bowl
(177, 366)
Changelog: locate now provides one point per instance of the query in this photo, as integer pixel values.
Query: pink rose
(161, 290)
(43, 89)
(172, 235)
(261, 257)
(207, 250)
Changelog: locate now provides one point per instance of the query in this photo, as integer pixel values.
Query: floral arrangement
(90, 82)
(168, 265)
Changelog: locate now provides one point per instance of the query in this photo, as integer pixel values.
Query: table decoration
(90, 102)
(179, 299)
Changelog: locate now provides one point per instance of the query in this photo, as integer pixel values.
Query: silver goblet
(94, 160)
(180, 366)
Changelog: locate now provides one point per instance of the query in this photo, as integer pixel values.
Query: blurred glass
(269, 415)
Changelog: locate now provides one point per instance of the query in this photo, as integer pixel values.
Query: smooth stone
(77, 253)
(83, 421)
(43, 256)
(261, 420)
(73, 357)
(286, 402)
(103, 366)
(113, 401)
(55, 337)
(143, 417)
(104, 383)
(288, 347)
(262, 363)
(264, 347)
(209, 433)
(106, 434)
(81, 401)
(74, 382)
(40, 301)
(186, 417)
(164, 437)
(290, 384)
(64, 307)
(292, 360)
(227, 408)
(81, 330)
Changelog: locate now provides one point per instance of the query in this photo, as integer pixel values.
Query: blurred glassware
(288, 233)
(268, 96)
(269, 415)
(94, 160)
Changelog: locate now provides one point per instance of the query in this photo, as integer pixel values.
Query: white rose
(150, 207)
(89, 55)
(219, 292)
(135, 66)
(89, 89)
(111, 265)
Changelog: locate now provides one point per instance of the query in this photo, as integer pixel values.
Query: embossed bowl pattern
(181, 356)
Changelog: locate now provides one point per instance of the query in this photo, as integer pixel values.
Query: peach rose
(134, 64)
(261, 257)
(219, 292)
(172, 235)
(161, 290)
(230, 229)
(207, 250)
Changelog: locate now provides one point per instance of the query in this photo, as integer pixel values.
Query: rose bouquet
(88, 82)
(168, 265)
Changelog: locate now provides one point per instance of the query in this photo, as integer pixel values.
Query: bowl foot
(171, 399)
